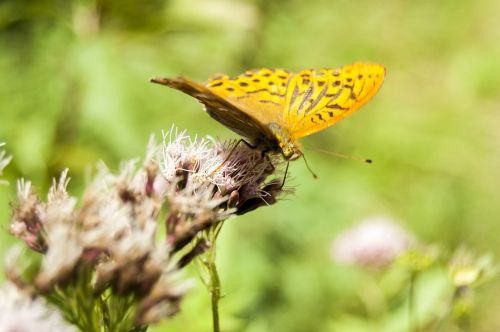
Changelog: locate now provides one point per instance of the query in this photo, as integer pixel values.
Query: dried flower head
(111, 239)
(21, 313)
(207, 181)
(375, 242)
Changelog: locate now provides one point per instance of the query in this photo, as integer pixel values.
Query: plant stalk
(215, 293)
(412, 324)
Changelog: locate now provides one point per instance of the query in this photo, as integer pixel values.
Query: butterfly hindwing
(317, 99)
(220, 108)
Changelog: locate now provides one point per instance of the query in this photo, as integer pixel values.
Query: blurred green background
(74, 90)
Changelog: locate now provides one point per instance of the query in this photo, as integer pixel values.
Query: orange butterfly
(273, 108)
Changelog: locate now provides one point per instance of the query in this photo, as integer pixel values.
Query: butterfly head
(290, 150)
(289, 147)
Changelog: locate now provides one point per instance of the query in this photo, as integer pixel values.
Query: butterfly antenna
(344, 156)
(309, 168)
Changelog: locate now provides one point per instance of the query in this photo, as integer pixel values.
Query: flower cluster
(110, 239)
(207, 181)
(112, 236)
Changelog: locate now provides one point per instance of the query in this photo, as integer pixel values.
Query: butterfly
(273, 108)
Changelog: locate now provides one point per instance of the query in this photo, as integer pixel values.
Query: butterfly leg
(264, 154)
(284, 177)
(231, 153)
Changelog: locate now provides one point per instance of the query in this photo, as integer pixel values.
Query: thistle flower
(21, 313)
(110, 242)
(26, 222)
(375, 242)
(207, 181)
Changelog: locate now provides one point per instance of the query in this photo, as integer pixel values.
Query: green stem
(443, 320)
(215, 293)
(412, 324)
(214, 285)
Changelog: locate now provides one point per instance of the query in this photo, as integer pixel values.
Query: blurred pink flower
(375, 242)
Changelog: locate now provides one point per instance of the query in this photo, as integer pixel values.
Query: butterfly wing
(220, 108)
(259, 93)
(317, 99)
(302, 103)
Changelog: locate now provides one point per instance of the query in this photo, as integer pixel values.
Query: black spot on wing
(266, 101)
(262, 90)
(335, 95)
(214, 85)
(337, 106)
(352, 95)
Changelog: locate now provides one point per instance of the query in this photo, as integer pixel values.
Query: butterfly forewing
(307, 90)
(260, 93)
(317, 99)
